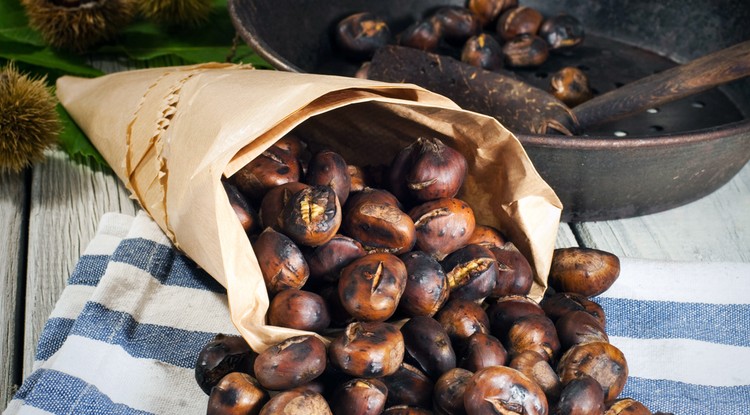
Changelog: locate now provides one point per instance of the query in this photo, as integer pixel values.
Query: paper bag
(171, 135)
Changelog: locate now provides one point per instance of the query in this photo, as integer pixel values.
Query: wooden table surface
(50, 212)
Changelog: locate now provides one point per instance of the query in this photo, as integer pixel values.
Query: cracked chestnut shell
(367, 349)
(222, 355)
(427, 343)
(426, 285)
(375, 219)
(627, 406)
(442, 226)
(502, 390)
(558, 304)
(423, 34)
(489, 10)
(297, 402)
(562, 32)
(482, 350)
(237, 393)
(483, 51)
(328, 168)
(448, 395)
(359, 396)
(521, 20)
(580, 396)
(487, 236)
(537, 368)
(471, 272)
(298, 309)
(600, 360)
(571, 86)
(281, 261)
(409, 386)
(586, 271)
(371, 287)
(312, 216)
(459, 23)
(525, 51)
(514, 276)
(273, 167)
(359, 35)
(327, 260)
(579, 327)
(274, 201)
(462, 318)
(291, 363)
(533, 332)
(506, 310)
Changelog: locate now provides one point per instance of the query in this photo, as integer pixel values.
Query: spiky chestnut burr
(176, 12)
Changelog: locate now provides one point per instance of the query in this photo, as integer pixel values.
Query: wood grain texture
(67, 202)
(565, 237)
(714, 228)
(12, 200)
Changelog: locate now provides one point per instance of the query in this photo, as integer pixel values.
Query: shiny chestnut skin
(461, 319)
(327, 260)
(246, 214)
(291, 362)
(328, 168)
(281, 261)
(359, 35)
(312, 216)
(273, 167)
(359, 396)
(533, 332)
(471, 272)
(367, 350)
(408, 386)
(580, 396)
(426, 285)
(489, 10)
(442, 226)
(586, 271)
(525, 51)
(600, 360)
(297, 402)
(521, 20)
(448, 395)
(627, 406)
(502, 390)
(487, 236)
(515, 276)
(506, 310)
(237, 394)
(571, 86)
(483, 51)
(298, 309)
(482, 350)
(555, 305)
(427, 169)
(292, 143)
(458, 23)
(222, 355)
(339, 316)
(423, 34)
(274, 201)
(371, 287)
(427, 343)
(537, 368)
(579, 327)
(406, 410)
(562, 32)
(375, 219)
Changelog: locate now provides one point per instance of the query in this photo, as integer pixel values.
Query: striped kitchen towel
(125, 334)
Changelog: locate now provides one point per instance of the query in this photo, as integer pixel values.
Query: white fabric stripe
(15, 407)
(143, 384)
(145, 228)
(131, 290)
(112, 228)
(696, 282)
(684, 360)
(71, 301)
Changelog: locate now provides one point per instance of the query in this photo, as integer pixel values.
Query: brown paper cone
(171, 134)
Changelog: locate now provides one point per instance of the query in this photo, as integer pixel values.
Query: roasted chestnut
(339, 316)
(359, 35)
(222, 355)
(427, 343)
(448, 395)
(367, 350)
(487, 236)
(514, 276)
(558, 304)
(237, 394)
(406, 410)
(273, 167)
(502, 390)
(297, 402)
(586, 271)
(274, 201)
(533, 332)
(312, 216)
(328, 168)
(506, 310)
(291, 362)
(471, 272)
(247, 216)
(600, 360)
(370, 287)
(281, 261)
(570, 85)
(298, 309)
(359, 396)
(562, 32)
(461, 319)
(489, 10)
(442, 226)
(292, 143)
(426, 285)
(521, 20)
(423, 34)
(580, 396)
(357, 176)
(537, 368)
(525, 51)
(374, 218)
(327, 260)
(409, 386)
(482, 350)
(627, 406)
(483, 51)
(458, 23)
(579, 327)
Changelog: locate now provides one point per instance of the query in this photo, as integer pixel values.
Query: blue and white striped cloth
(126, 332)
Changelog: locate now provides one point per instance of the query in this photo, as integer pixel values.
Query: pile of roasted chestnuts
(490, 34)
(424, 310)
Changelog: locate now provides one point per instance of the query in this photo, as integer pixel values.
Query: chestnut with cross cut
(367, 349)
(375, 219)
(442, 226)
(291, 363)
(359, 35)
(370, 287)
(273, 167)
(237, 393)
(312, 216)
(502, 390)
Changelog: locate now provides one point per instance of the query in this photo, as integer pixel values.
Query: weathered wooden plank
(714, 228)
(12, 208)
(67, 202)
(565, 237)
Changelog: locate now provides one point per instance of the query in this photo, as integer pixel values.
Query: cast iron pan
(656, 160)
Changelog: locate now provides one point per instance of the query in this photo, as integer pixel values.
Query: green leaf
(75, 143)
(46, 61)
(14, 26)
